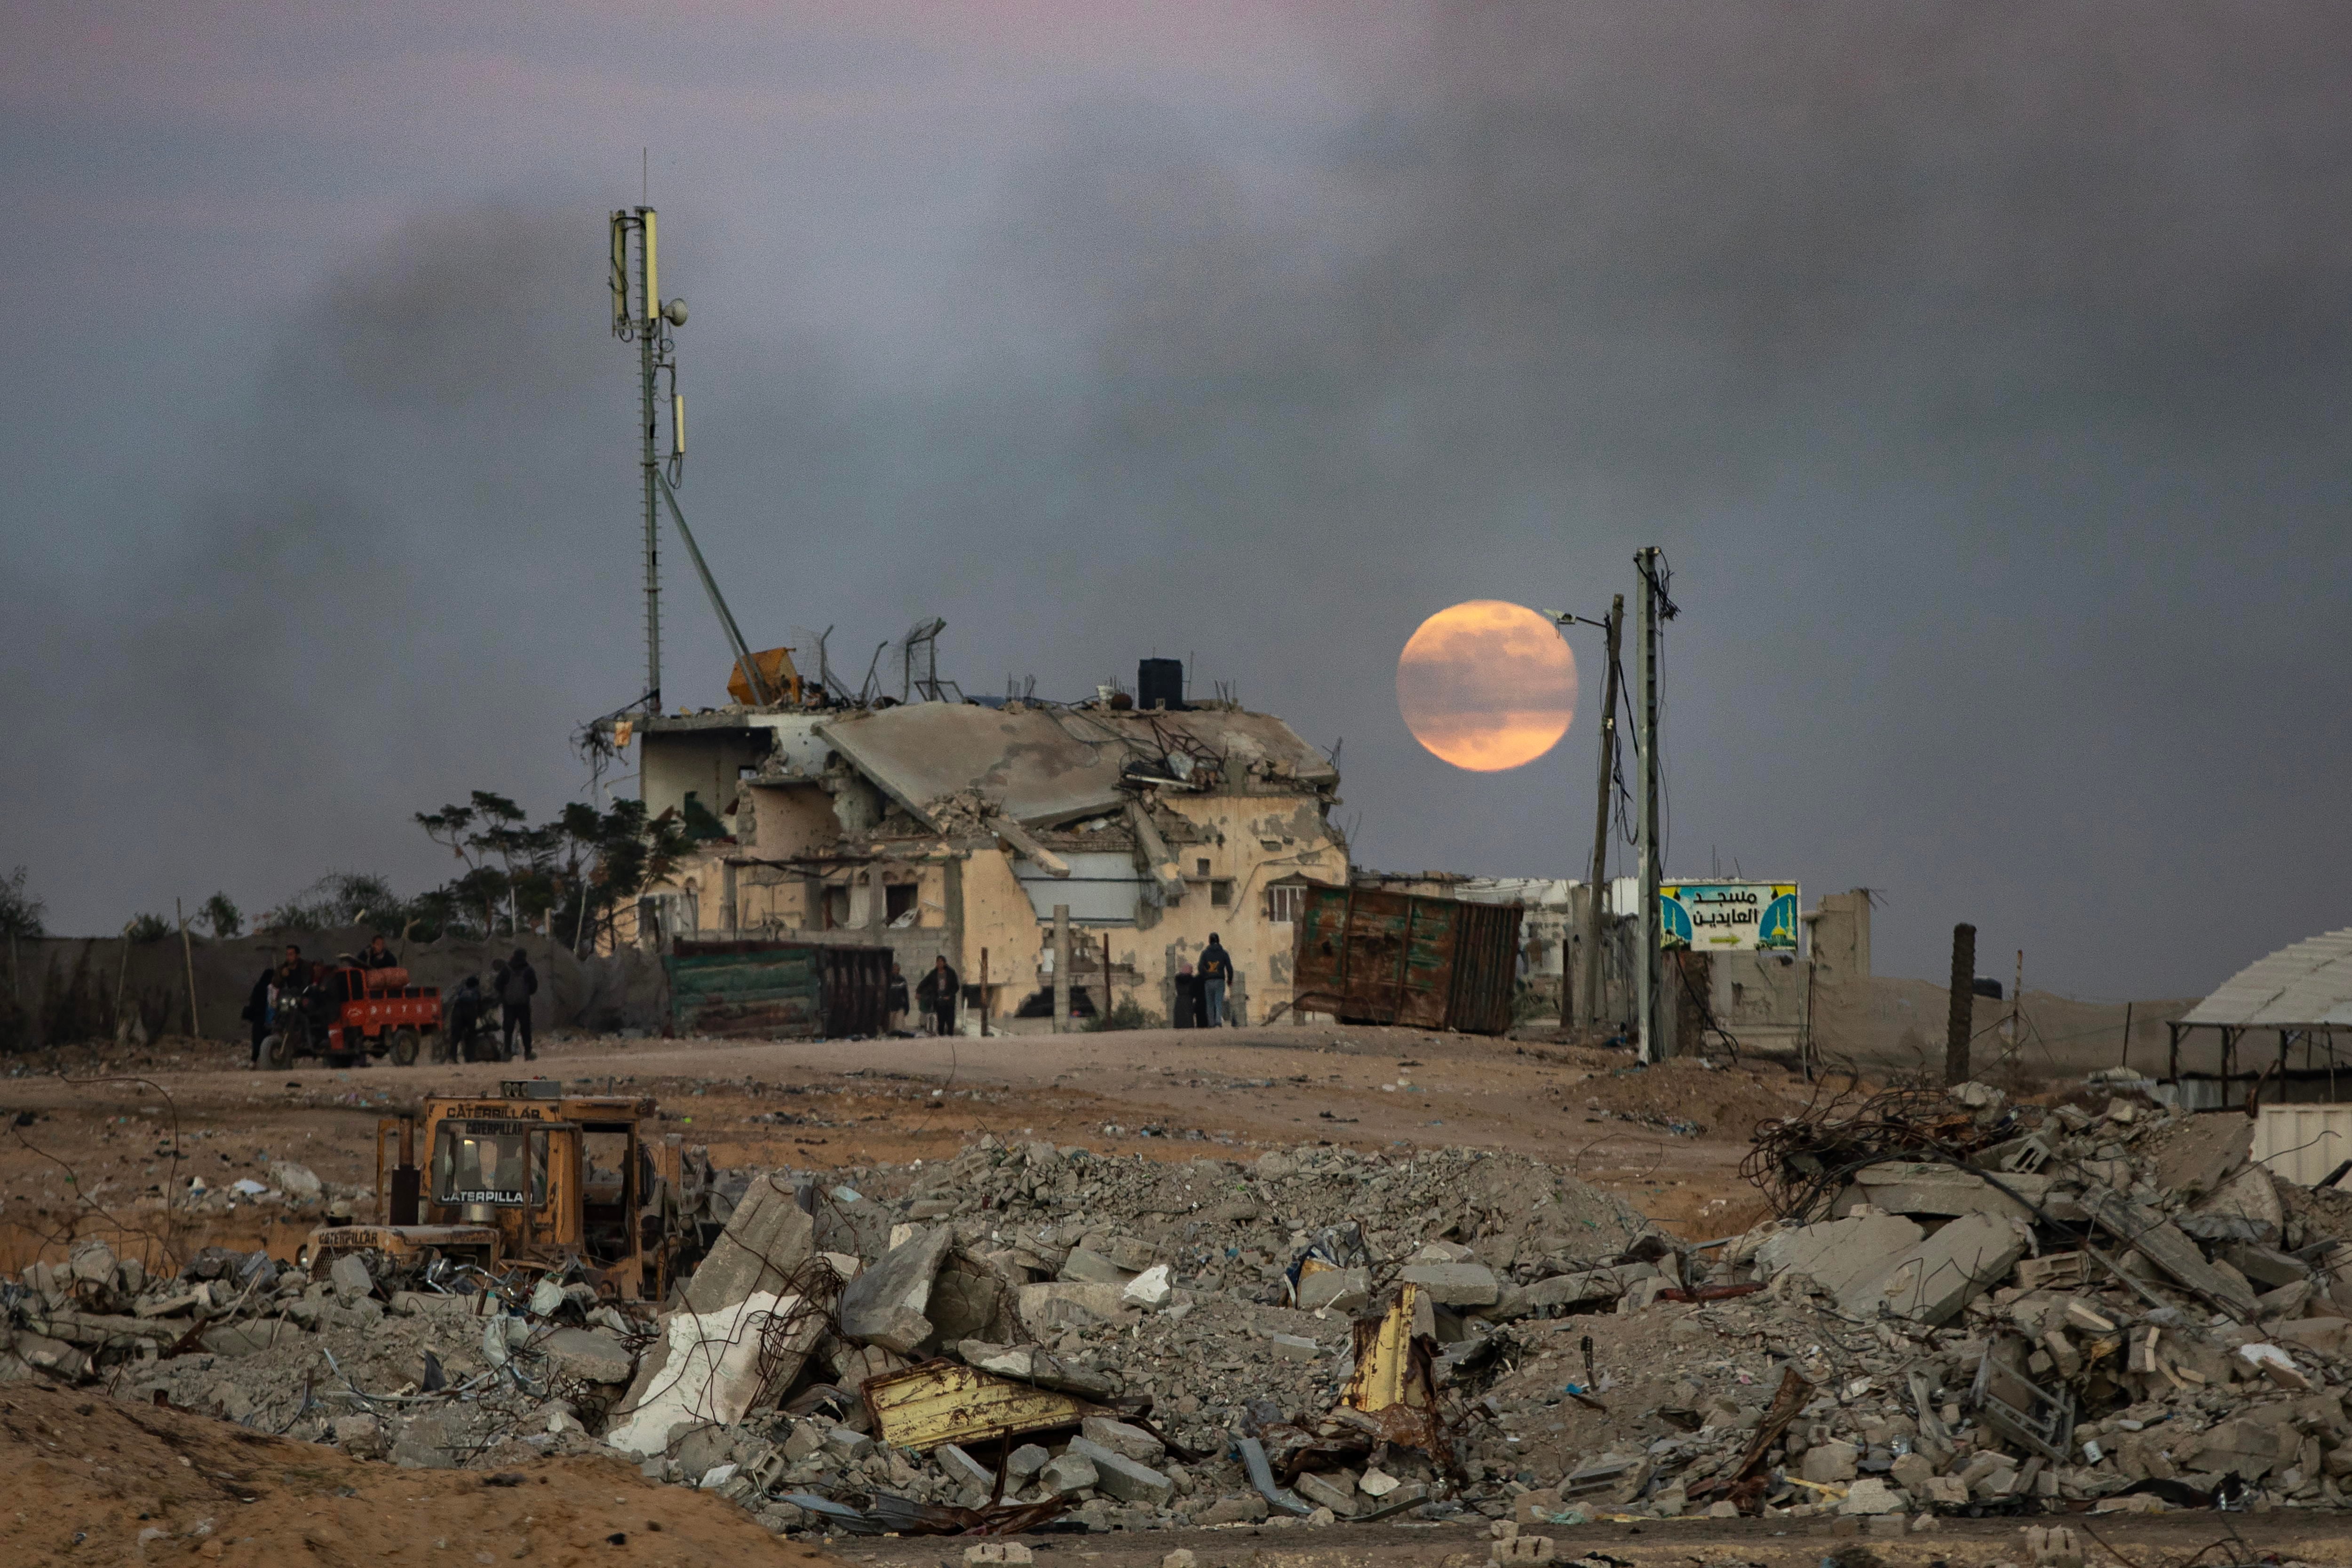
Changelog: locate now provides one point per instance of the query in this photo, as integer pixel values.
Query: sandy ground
(96, 1134)
(92, 1134)
(89, 1476)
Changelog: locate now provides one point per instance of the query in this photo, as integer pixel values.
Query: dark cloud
(1979, 367)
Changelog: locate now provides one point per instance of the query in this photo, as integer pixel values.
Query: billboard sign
(1728, 917)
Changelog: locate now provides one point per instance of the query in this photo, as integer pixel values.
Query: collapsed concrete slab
(711, 1367)
(2198, 1157)
(1906, 1188)
(1838, 1255)
(767, 1238)
(884, 1306)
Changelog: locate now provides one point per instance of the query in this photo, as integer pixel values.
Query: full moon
(1486, 685)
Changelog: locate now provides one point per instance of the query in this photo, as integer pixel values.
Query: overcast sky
(1980, 367)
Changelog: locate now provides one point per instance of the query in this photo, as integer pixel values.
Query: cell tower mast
(642, 316)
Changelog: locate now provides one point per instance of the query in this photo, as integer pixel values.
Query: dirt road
(112, 1134)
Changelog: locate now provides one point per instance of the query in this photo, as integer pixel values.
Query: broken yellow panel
(943, 1402)
(1384, 1363)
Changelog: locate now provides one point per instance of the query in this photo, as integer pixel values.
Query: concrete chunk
(1060, 1303)
(1120, 1476)
(2198, 1157)
(884, 1306)
(962, 1468)
(1295, 1346)
(1840, 1253)
(1084, 1268)
(1068, 1474)
(1454, 1284)
(589, 1354)
(1132, 1442)
(1932, 1279)
(1341, 1289)
(1326, 1493)
(1902, 1187)
(2250, 1195)
(2161, 1243)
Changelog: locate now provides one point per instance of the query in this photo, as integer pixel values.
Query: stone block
(1150, 1289)
(1182, 1557)
(1341, 1289)
(1829, 1462)
(885, 1305)
(1027, 1460)
(1454, 1284)
(1061, 1303)
(1872, 1495)
(1084, 1268)
(588, 1353)
(1127, 1253)
(1324, 1492)
(1839, 1254)
(1243, 1508)
(299, 1182)
(962, 1468)
(1008, 1552)
(1295, 1347)
(1132, 1442)
(2251, 1196)
(2051, 1271)
(1068, 1474)
(1947, 1491)
(1120, 1476)
(1524, 1548)
(1911, 1471)
(2324, 1335)
(847, 1446)
(807, 1438)
(348, 1276)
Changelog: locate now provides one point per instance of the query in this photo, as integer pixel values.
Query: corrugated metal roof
(2305, 987)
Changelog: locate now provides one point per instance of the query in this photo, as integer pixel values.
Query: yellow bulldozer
(539, 1180)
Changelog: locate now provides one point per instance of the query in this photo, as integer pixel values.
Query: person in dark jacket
(1188, 996)
(256, 1010)
(464, 1018)
(900, 1003)
(938, 994)
(378, 956)
(1217, 972)
(515, 992)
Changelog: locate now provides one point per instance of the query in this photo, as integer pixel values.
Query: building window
(898, 898)
(1200, 867)
(837, 908)
(1283, 905)
(1221, 893)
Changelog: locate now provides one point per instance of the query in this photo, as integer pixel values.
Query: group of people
(939, 991)
(1200, 994)
(292, 985)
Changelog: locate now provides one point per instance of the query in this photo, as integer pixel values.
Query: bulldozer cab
(543, 1177)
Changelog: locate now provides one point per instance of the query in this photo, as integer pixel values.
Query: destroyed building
(957, 827)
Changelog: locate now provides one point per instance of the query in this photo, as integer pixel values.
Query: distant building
(956, 827)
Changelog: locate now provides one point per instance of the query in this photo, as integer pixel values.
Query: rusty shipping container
(1373, 957)
(777, 990)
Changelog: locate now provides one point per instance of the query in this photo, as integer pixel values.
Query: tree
(222, 917)
(146, 928)
(20, 911)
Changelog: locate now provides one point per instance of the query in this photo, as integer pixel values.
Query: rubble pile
(1966, 1306)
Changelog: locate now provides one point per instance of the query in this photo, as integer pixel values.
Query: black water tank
(1984, 987)
(1160, 683)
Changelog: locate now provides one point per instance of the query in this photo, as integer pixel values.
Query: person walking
(900, 1004)
(938, 994)
(1216, 969)
(256, 1010)
(519, 985)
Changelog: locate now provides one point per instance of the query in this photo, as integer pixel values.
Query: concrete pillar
(1061, 969)
(729, 917)
(1960, 1019)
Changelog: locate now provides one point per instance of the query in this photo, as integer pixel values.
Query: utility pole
(1645, 984)
(1061, 969)
(1960, 1019)
(1597, 889)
